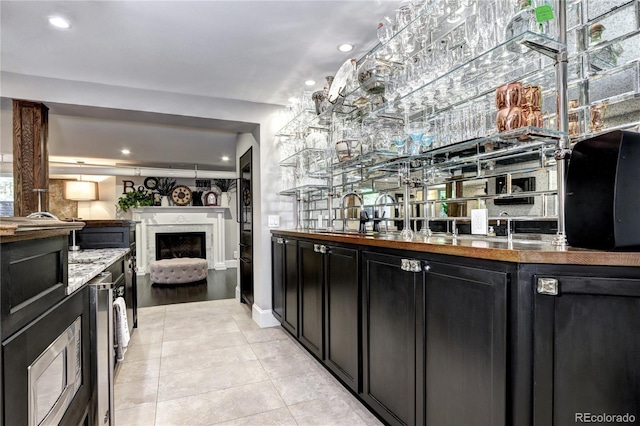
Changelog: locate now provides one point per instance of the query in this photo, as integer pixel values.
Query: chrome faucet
(379, 218)
(343, 209)
(505, 213)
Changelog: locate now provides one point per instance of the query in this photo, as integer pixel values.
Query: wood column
(30, 156)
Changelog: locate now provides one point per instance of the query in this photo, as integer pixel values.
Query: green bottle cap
(544, 13)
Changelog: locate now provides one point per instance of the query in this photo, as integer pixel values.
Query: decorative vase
(224, 199)
(164, 202)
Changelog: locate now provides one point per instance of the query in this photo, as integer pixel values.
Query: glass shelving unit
(414, 188)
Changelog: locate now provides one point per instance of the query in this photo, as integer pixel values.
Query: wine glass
(399, 139)
(416, 131)
(428, 135)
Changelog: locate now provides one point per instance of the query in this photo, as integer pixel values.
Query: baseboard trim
(263, 317)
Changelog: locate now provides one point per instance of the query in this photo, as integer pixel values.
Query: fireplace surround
(180, 220)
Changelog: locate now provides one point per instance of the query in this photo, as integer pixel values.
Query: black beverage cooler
(602, 206)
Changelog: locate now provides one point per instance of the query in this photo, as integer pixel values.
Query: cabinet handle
(411, 265)
(324, 249)
(280, 240)
(316, 248)
(548, 286)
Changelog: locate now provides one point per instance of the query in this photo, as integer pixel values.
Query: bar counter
(479, 247)
(14, 229)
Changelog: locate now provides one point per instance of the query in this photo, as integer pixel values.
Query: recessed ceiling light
(345, 47)
(59, 22)
(125, 152)
(225, 158)
(310, 82)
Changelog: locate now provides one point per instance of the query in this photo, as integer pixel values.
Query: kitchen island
(465, 330)
(86, 264)
(45, 321)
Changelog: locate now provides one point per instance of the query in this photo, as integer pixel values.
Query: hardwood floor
(219, 285)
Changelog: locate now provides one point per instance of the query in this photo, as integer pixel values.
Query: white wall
(266, 176)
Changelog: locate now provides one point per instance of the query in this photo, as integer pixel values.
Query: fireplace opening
(180, 244)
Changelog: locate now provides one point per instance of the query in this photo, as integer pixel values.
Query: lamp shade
(80, 190)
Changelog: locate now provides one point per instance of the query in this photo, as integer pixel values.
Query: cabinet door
(290, 319)
(465, 325)
(586, 349)
(392, 339)
(277, 277)
(342, 314)
(311, 289)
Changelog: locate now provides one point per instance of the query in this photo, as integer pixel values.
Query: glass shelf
(522, 139)
(292, 160)
(500, 56)
(303, 189)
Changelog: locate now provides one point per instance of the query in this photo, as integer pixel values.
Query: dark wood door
(311, 300)
(586, 348)
(393, 339)
(291, 286)
(466, 348)
(245, 217)
(342, 314)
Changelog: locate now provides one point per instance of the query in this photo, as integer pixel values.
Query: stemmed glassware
(416, 133)
(399, 139)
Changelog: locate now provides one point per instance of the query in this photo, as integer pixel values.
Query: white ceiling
(256, 51)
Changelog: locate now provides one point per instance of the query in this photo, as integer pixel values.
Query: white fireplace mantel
(152, 220)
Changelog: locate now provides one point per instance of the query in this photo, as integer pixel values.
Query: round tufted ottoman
(180, 270)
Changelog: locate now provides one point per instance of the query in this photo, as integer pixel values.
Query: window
(6, 196)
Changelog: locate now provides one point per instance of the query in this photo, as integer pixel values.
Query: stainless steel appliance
(55, 377)
(101, 311)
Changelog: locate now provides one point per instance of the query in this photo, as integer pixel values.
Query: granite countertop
(86, 264)
(492, 248)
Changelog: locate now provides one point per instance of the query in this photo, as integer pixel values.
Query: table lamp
(79, 190)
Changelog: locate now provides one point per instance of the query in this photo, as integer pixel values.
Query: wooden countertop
(491, 248)
(21, 228)
(101, 223)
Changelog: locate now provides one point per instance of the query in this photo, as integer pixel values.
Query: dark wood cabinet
(21, 350)
(586, 344)
(393, 339)
(437, 340)
(466, 345)
(33, 276)
(99, 234)
(106, 234)
(285, 282)
(342, 314)
(311, 298)
(291, 287)
(316, 297)
(277, 278)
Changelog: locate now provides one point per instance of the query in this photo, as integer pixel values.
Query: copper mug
(509, 95)
(501, 96)
(532, 97)
(597, 113)
(501, 120)
(532, 117)
(515, 118)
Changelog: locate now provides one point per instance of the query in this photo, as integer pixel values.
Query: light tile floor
(208, 363)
